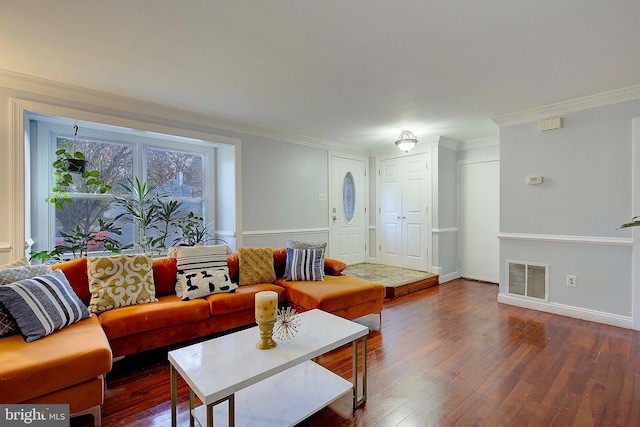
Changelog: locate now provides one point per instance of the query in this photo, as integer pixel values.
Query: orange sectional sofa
(69, 365)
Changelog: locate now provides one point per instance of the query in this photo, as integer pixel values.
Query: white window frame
(42, 150)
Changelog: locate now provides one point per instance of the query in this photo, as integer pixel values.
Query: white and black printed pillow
(11, 275)
(195, 259)
(197, 284)
(305, 264)
(43, 304)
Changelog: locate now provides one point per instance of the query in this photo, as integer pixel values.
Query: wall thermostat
(532, 180)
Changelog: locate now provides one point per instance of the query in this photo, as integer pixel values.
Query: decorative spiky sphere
(287, 323)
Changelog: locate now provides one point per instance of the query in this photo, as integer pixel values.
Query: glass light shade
(407, 141)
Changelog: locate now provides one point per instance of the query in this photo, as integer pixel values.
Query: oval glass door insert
(348, 197)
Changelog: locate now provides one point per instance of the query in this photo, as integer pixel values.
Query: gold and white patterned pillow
(120, 281)
(256, 266)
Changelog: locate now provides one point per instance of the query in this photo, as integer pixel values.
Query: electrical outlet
(571, 281)
(322, 197)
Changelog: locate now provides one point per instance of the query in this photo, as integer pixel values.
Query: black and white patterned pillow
(305, 264)
(43, 304)
(197, 284)
(11, 275)
(195, 259)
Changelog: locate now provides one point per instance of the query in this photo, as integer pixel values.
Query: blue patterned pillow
(299, 244)
(305, 264)
(42, 305)
(11, 275)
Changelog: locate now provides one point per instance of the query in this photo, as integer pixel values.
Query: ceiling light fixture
(407, 141)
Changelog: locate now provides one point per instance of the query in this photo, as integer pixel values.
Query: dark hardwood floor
(447, 355)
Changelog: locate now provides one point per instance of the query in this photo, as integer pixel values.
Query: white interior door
(479, 220)
(391, 212)
(405, 191)
(348, 217)
(417, 189)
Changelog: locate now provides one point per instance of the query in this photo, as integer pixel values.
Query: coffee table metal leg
(174, 395)
(191, 406)
(232, 410)
(359, 399)
(210, 415)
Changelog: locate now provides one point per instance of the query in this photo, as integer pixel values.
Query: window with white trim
(179, 168)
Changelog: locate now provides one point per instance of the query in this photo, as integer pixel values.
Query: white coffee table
(277, 387)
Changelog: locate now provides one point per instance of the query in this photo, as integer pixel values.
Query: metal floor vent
(528, 279)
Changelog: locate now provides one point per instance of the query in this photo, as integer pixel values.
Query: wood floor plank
(447, 355)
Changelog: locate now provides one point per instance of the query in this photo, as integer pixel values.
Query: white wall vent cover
(527, 279)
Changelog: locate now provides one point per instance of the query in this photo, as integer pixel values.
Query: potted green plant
(77, 243)
(65, 166)
(193, 231)
(140, 208)
(168, 214)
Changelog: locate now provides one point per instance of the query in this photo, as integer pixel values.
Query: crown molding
(449, 143)
(631, 93)
(480, 142)
(78, 94)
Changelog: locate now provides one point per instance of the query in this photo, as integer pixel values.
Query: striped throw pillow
(299, 244)
(42, 305)
(305, 264)
(192, 260)
(12, 275)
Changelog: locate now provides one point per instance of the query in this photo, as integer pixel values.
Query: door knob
(335, 218)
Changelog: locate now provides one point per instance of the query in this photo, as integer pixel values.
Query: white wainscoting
(278, 238)
(558, 238)
(570, 264)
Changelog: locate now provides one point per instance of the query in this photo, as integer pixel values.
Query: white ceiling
(354, 72)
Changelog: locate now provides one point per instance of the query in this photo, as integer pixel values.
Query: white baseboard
(569, 311)
(448, 277)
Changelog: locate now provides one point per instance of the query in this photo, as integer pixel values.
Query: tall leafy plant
(140, 208)
(168, 214)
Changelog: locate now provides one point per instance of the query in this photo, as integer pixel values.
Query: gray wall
(281, 183)
(570, 220)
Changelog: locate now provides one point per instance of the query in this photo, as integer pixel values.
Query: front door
(347, 210)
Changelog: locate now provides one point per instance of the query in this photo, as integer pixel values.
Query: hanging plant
(65, 166)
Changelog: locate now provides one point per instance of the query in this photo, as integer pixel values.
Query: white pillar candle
(266, 305)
